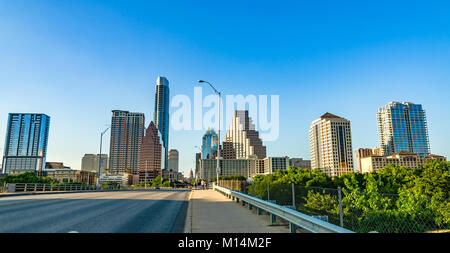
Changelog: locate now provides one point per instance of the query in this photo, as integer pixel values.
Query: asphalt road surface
(95, 212)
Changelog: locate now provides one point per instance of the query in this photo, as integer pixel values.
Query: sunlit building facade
(127, 132)
(403, 127)
(173, 160)
(242, 140)
(150, 163)
(374, 163)
(331, 145)
(90, 162)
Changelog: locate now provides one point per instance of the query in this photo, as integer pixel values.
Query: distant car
(157, 187)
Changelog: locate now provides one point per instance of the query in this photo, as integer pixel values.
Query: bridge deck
(211, 212)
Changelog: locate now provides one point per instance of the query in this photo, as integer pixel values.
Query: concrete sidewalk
(211, 212)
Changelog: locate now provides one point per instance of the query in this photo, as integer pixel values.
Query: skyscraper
(209, 144)
(244, 139)
(198, 157)
(150, 154)
(26, 142)
(331, 145)
(127, 132)
(403, 127)
(172, 164)
(161, 115)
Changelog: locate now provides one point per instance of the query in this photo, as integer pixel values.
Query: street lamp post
(145, 174)
(218, 144)
(100, 158)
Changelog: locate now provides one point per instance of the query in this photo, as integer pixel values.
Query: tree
(429, 194)
(27, 177)
(157, 181)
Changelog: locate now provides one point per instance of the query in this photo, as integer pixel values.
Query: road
(95, 212)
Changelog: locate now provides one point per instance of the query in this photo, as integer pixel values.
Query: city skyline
(109, 60)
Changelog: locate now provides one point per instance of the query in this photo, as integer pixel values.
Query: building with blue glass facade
(26, 142)
(209, 144)
(403, 127)
(161, 116)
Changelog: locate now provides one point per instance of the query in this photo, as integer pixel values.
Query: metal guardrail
(294, 217)
(31, 187)
(25, 187)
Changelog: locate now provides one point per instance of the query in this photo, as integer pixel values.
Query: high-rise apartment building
(150, 164)
(403, 127)
(244, 139)
(161, 115)
(127, 132)
(90, 162)
(331, 145)
(172, 161)
(210, 143)
(26, 142)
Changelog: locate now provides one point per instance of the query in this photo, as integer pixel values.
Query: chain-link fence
(357, 211)
(235, 185)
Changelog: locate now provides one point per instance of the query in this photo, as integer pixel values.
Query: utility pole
(100, 158)
(218, 144)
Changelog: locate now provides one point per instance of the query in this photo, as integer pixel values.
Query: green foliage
(237, 177)
(391, 221)
(193, 181)
(49, 180)
(322, 202)
(27, 177)
(394, 199)
(157, 182)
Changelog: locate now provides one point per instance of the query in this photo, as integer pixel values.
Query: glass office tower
(209, 144)
(403, 127)
(161, 115)
(26, 142)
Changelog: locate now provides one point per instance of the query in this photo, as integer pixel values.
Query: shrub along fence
(357, 211)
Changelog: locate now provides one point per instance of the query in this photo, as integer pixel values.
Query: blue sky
(78, 60)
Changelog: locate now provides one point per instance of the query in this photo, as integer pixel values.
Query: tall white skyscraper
(242, 140)
(403, 127)
(331, 145)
